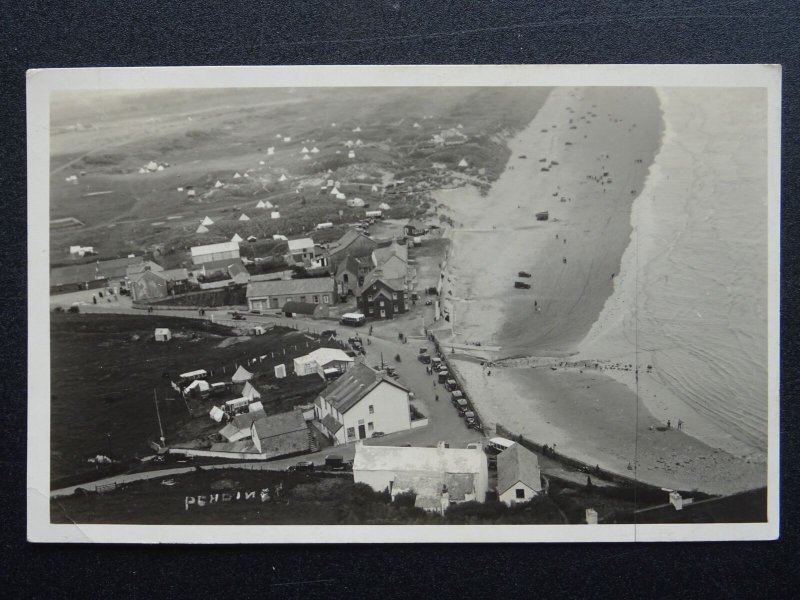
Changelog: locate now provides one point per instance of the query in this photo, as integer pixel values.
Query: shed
(163, 334)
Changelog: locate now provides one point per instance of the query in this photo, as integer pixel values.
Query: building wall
(510, 495)
(148, 287)
(372, 309)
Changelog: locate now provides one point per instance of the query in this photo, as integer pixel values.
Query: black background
(132, 33)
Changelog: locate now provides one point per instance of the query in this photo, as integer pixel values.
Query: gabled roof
(384, 253)
(517, 464)
(300, 244)
(349, 237)
(283, 287)
(214, 248)
(250, 391)
(175, 274)
(351, 387)
(145, 265)
(353, 264)
(237, 268)
(220, 265)
(244, 420)
(375, 276)
(147, 274)
(394, 268)
(323, 356)
(280, 424)
(331, 424)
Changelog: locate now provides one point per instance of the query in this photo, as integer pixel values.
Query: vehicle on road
(462, 406)
(335, 462)
(521, 285)
(378, 434)
(428, 302)
(451, 385)
(443, 375)
(237, 316)
(436, 362)
(456, 395)
(303, 465)
(328, 333)
(469, 418)
(353, 319)
(424, 359)
(255, 311)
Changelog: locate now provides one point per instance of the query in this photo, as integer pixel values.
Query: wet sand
(595, 417)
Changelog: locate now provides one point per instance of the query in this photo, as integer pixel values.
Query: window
(361, 421)
(325, 298)
(351, 433)
(394, 295)
(316, 299)
(520, 493)
(370, 426)
(345, 278)
(371, 409)
(382, 302)
(302, 298)
(395, 307)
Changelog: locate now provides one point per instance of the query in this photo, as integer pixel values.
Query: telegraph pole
(158, 414)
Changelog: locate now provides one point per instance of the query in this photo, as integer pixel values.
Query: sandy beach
(579, 316)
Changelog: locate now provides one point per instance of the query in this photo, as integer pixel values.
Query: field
(207, 136)
(107, 406)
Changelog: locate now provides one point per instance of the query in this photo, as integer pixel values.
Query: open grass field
(105, 369)
(205, 136)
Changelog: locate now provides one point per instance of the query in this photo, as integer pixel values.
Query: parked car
(303, 465)
(328, 333)
(521, 285)
(335, 462)
(424, 358)
(469, 418)
(378, 434)
(237, 316)
(255, 311)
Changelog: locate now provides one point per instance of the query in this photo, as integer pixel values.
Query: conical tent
(306, 157)
(219, 184)
(268, 204)
(201, 229)
(335, 192)
(241, 375)
(357, 129)
(236, 176)
(261, 204)
(384, 206)
(304, 150)
(416, 125)
(374, 188)
(282, 177)
(244, 217)
(463, 163)
(315, 150)
(236, 238)
(207, 221)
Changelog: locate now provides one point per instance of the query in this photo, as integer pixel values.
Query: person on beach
(564, 259)
(669, 424)
(680, 424)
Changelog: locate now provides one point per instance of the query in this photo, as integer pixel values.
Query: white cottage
(518, 476)
(360, 403)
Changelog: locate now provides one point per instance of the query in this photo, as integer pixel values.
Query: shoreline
(553, 405)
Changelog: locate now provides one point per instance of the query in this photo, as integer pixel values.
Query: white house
(214, 252)
(438, 476)
(518, 477)
(163, 334)
(360, 403)
(322, 359)
(301, 249)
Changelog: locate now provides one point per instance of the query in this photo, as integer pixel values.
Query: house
(414, 228)
(162, 334)
(265, 295)
(438, 476)
(140, 267)
(350, 274)
(518, 477)
(316, 311)
(354, 243)
(383, 253)
(148, 285)
(301, 249)
(361, 402)
(281, 434)
(238, 273)
(381, 297)
(240, 427)
(214, 252)
(224, 266)
(321, 360)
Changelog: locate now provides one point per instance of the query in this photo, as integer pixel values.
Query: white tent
(255, 406)
(201, 229)
(357, 129)
(267, 204)
(207, 221)
(359, 143)
(216, 413)
(306, 157)
(287, 139)
(463, 163)
(250, 392)
(198, 384)
(252, 238)
(261, 162)
(315, 150)
(351, 154)
(219, 184)
(163, 334)
(349, 143)
(275, 215)
(278, 237)
(460, 126)
(244, 217)
(374, 189)
(141, 170)
(384, 206)
(278, 135)
(241, 375)
(335, 192)
(160, 168)
(416, 125)
(152, 166)
(236, 238)
(261, 204)
(270, 150)
(355, 202)
(236, 175)
(180, 189)
(282, 177)
(304, 150)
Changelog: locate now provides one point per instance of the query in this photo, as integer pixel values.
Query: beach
(652, 262)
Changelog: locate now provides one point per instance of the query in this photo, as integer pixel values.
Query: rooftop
(300, 244)
(280, 424)
(517, 463)
(419, 460)
(214, 248)
(351, 387)
(290, 287)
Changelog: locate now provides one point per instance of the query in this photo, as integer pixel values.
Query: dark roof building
(518, 476)
(281, 434)
(351, 387)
